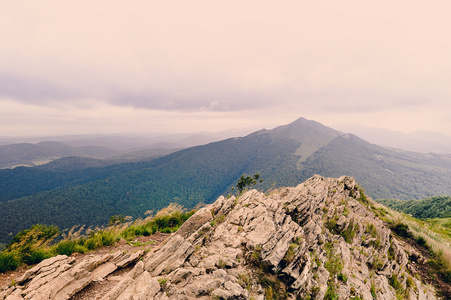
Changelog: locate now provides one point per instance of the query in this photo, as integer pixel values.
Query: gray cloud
(36, 91)
(325, 60)
(232, 99)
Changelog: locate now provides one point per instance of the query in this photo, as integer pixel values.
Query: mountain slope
(283, 156)
(384, 172)
(432, 207)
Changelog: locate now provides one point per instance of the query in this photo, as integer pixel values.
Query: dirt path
(426, 272)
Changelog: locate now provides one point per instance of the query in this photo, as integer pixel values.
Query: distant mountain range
(425, 142)
(81, 191)
(27, 154)
(14, 152)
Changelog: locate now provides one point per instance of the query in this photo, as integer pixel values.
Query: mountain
(432, 207)
(319, 240)
(286, 155)
(27, 154)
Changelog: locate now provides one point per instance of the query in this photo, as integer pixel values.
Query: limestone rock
(306, 241)
(196, 221)
(60, 278)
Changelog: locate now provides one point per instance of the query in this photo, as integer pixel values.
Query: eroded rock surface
(60, 278)
(314, 241)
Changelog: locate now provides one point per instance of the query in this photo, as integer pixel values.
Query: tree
(246, 181)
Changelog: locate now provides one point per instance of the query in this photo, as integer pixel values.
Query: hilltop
(322, 239)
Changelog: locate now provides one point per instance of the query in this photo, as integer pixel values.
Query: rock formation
(318, 240)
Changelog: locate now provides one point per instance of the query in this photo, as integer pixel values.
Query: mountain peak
(302, 129)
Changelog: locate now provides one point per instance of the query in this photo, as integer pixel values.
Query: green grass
(9, 260)
(68, 247)
(137, 230)
(35, 256)
(33, 245)
(430, 233)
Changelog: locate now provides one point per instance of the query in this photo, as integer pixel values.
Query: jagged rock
(45, 266)
(143, 287)
(307, 241)
(59, 278)
(124, 260)
(196, 221)
(115, 292)
(312, 236)
(171, 256)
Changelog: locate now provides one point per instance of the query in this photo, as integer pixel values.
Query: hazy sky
(70, 67)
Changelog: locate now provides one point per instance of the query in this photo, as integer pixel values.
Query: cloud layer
(254, 62)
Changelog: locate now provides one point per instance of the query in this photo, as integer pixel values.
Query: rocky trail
(318, 240)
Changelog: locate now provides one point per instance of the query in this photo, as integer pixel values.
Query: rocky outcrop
(318, 240)
(60, 278)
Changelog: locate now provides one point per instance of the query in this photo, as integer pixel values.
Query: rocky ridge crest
(317, 240)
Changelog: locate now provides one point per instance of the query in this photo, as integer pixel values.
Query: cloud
(329, 60)
(34, 90)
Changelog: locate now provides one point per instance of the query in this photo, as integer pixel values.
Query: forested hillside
(73, 191)
(432, 207)
(187, 177)
(383, 172)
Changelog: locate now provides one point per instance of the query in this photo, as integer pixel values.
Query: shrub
(331, 224)
(35, 256)
(373, 290)
(409, 282)
(342, 277)
(166, 230)
(67, 247)
(349, 233)
(401, 229)
(363, 199)
(274, 288)
(136, 230)
(28, 246)
(116, 219)
(247, 181)
(331, 293)
(421, 241)
(99, 239)
(38, 234)
(289, 255)
(168, 223)
(9, 261)
(163, 283)
(371, 229)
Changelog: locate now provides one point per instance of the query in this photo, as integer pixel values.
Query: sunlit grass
(434, 232)
(33, 245)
